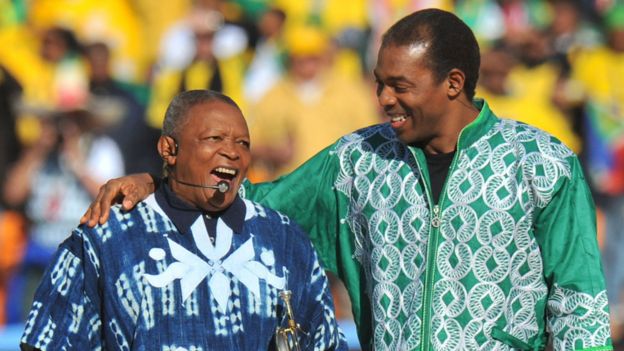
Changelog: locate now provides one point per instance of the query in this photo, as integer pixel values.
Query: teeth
(226, 170)
(397, 118)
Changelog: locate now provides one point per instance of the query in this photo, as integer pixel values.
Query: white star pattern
(191, 270)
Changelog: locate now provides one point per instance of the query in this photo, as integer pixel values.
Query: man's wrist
(156, 180)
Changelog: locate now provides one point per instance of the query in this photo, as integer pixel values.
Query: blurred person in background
(60, 82)
(177, 46)
(307, 109)
(266, 66)
(11, 221)
(596, 83)
(126, 123)
(62, 52)
(115, 21)
(570, 29)
(345, 21)
(10, 146)
(52, 180)
(533, 83)
(59, 79)
(496, 63)
(520, 83)
(204, 70)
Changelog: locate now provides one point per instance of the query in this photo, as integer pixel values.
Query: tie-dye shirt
(153, 279)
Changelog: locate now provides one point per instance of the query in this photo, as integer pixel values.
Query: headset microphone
(221, 186)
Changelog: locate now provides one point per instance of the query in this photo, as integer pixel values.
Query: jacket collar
(473, 131)
(477, 128)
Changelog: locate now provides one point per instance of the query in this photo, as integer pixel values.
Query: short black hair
(451, 43)
(177, 112)
(68, 37)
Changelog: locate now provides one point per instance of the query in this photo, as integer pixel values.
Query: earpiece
(174, 152)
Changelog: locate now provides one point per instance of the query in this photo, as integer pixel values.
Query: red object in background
(12, 243)
(616, 178)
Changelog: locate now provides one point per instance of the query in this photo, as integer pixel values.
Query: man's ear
(168, 149)
(456, 79)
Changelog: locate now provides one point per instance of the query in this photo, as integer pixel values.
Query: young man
(452, 229)
(191, 267)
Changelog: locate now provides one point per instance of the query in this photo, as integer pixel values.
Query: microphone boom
(221, 186)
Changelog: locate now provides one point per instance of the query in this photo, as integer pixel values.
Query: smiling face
(416, 103)
(212, 146)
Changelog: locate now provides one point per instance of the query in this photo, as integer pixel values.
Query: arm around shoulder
(127, 190)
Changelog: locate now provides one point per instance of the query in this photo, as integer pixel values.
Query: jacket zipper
(432, 245)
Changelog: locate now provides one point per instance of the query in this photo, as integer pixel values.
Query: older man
(452, 229)
(194, 266)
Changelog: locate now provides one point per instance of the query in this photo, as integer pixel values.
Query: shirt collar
(184, 214)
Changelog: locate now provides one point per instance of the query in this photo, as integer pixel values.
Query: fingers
(92, 216)
(130, 197)
(109, 194)
(127, 190)
(98, 211)
(85, 217)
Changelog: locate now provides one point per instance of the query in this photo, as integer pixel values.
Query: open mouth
(397, 119)
(225, 173)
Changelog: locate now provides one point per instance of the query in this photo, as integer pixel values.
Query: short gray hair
(177, 112)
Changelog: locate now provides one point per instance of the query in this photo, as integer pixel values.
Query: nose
(229, 150)
(385, 97)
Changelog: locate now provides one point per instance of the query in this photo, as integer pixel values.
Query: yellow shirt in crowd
(530, 101)
(342, 106)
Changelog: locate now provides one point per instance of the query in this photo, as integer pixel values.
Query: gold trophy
(287, 338)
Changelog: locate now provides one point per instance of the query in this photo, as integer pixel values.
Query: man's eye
(400, 90)
(245, 143)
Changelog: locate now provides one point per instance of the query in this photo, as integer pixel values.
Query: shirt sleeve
(63, 314)
(312, 300)
(577, 309)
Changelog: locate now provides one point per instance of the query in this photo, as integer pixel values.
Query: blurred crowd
(84, 85)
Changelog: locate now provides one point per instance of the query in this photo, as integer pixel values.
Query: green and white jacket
(507, 256)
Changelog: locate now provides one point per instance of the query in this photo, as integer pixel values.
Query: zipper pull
(435, 220)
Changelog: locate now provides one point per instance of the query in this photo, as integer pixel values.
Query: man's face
(307, 67)
(213, 146)
(409, 93)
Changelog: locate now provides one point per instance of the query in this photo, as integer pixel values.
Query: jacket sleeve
(63, 314)
(318, 196)
(577, 309)
(307, 195)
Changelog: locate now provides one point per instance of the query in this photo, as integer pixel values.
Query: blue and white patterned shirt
(152, 279)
